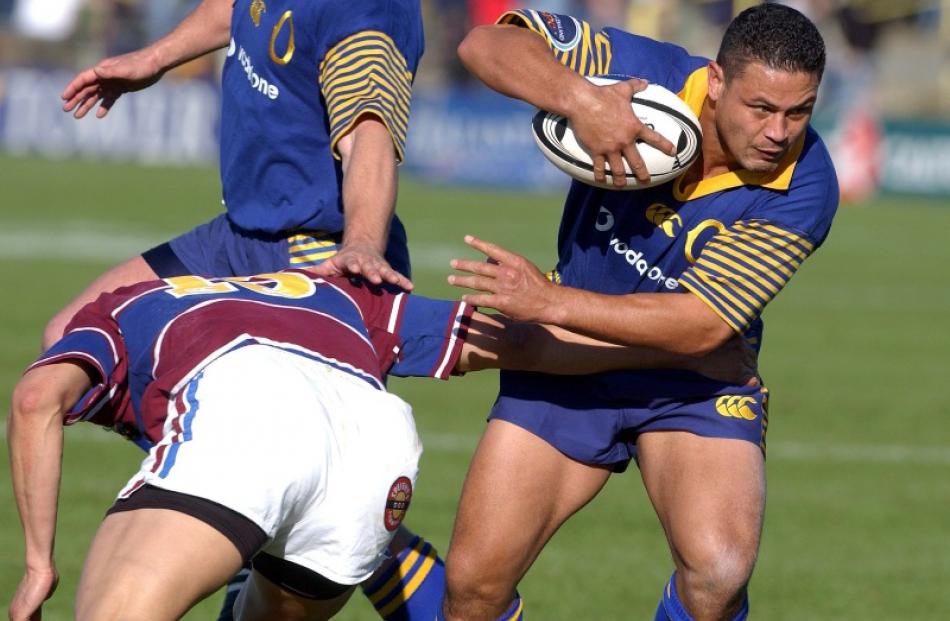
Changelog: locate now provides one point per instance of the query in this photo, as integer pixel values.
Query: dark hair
(775, 35)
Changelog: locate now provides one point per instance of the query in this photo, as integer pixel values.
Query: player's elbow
(468, 49)
(29, 401)
(708, 337)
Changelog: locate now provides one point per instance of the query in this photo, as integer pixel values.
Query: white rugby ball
(656, 107)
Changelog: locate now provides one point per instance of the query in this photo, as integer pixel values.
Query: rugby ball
(656, 107)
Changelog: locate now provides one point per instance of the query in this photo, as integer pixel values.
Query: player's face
(761, 112)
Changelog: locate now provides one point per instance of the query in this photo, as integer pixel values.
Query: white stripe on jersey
(456, 327)
(394, 315)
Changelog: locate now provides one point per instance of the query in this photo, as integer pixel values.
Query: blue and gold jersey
(297, 77)
(733, 240)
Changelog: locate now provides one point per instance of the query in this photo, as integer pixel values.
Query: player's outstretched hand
(36, 587)
(606, 125)
(734, 363)
(364, 260)
(108, 80)
(508, 282)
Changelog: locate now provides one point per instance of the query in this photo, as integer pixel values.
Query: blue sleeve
(96, 348)
(431, 334)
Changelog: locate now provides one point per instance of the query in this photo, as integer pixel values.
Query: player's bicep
(367, 74)
(744, 267)
(572, 41)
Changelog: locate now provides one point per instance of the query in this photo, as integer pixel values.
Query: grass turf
(857, 353)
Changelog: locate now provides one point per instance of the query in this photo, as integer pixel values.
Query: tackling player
(270, 434)
(682, 267)
(314, 115)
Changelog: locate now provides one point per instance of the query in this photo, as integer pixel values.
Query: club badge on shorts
(397, 503)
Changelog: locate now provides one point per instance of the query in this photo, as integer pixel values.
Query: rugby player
(682, 267)
(270, 434)
(314, 115)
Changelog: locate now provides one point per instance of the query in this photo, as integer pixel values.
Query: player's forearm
(35, 441)
(369, 183)
(675, 323)
(516, 62)
(205, 29)
(494, 341)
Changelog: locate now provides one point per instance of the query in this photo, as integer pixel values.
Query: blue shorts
(568, 413)
(218, 248)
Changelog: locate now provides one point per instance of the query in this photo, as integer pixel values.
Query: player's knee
(717, 573)
(470, 588)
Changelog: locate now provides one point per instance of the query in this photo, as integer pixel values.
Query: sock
(412, 589)
(234, 587)
(515, 611)
(672, 609)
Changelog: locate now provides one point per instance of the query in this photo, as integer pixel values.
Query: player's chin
(759, 163)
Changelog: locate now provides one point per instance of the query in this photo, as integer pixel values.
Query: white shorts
(323, 462)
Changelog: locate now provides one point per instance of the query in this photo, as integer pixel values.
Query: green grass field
(857, 355)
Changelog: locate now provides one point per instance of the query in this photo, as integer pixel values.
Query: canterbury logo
(735, 407)
(664, 218)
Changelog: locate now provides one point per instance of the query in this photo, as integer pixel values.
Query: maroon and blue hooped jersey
(297, 76)
(733, 240)
(147, 341)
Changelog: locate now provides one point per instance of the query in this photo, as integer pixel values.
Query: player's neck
(714, 159)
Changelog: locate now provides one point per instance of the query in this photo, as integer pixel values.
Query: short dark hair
(775, 35)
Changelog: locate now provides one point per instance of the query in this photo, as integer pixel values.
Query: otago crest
(257, 9)
(665, 218)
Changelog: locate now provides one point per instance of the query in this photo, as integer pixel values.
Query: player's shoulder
(810, 202)
(399, 21)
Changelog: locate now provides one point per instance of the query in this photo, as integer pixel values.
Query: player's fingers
(481, 268)
(482, 300)
(79, 97)
(492, 251)
(635, 85)
(81, 81)
(656, 139)
(600, 165)
(617, 172)
(635, 162)
(87, 105)
(395, 278)
(108, 100)
(478, 283)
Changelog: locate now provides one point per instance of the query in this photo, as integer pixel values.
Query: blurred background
(885, 98)
(856, 351)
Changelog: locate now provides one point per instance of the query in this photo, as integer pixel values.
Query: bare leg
(132, 271)
(518, 491)
(709, 494)
(152, 564)
(262, 600)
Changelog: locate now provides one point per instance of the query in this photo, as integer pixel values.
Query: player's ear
(716, 81)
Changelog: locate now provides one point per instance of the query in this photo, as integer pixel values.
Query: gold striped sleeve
(742, 268)
(583, 50)
(366, 73)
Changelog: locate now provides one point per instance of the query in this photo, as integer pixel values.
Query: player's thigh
(709, 494)
(263, 600)
(519, 489)
(129, 272)
(152, 564)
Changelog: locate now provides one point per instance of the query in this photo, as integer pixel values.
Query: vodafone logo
(635, 259)
(257, 83)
